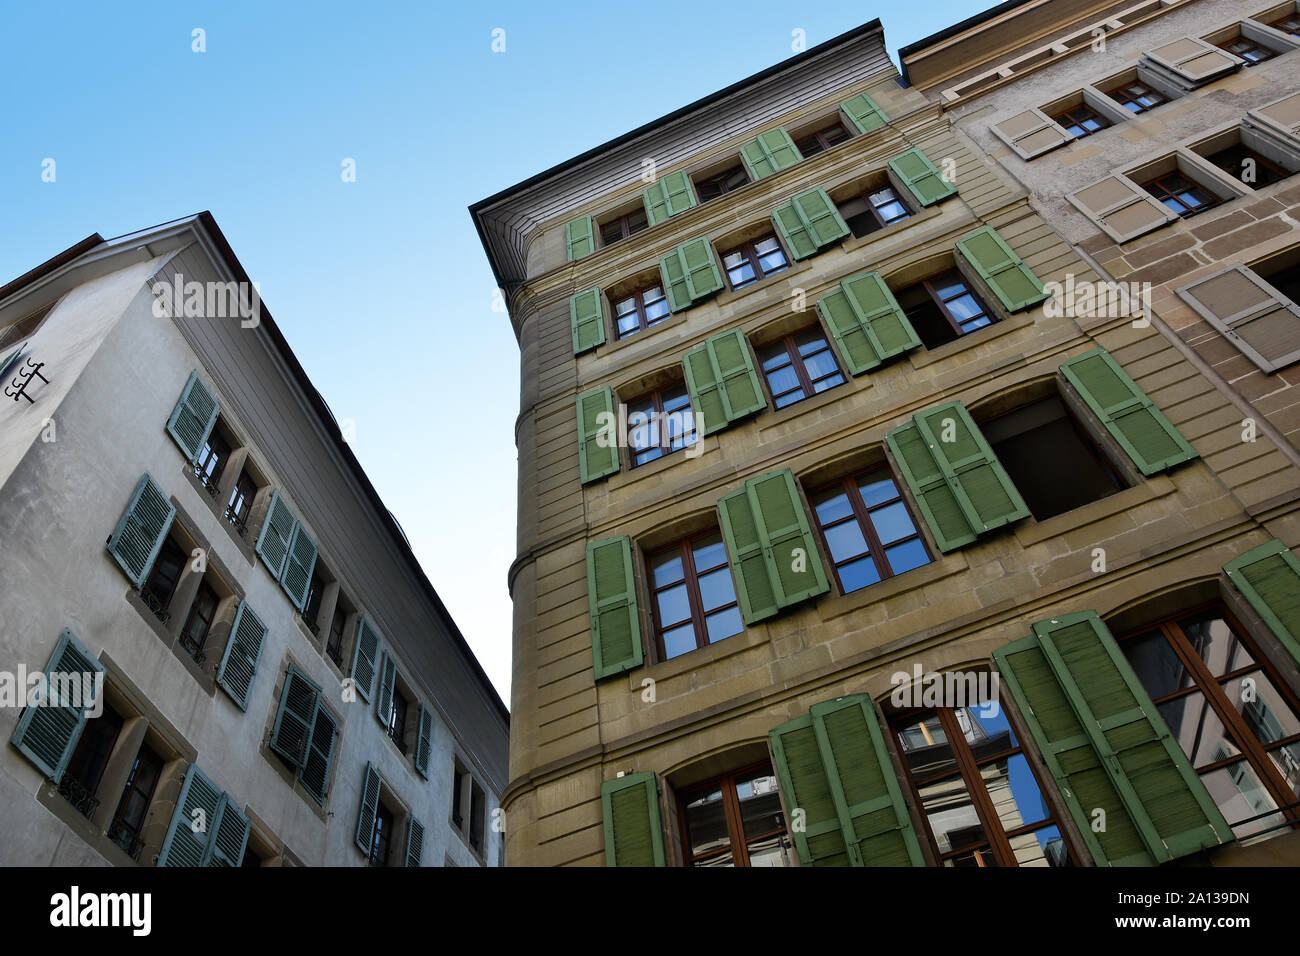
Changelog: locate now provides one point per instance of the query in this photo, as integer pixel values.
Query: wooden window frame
(738, 845)
(865, 196)
(240, 503)
(331, 645)
(929, 286)
(1289, 23)
(1252, 46)
(214, 454)
(1159, 182)
(624, 223)
(749, 249)
(643, 324)
(371, 857)
(1067, 120)
(118, 823)
(819, 137)
(720, 181)
(1254, 753)
(147, 592)
(395, 725)
(691, 579)
(1150, 90)
(1260, 160)
(191, 644)
(656, 397)
(790, 344)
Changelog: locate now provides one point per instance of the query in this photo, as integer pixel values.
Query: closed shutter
(315, 772)
(960, 486)
(866, 322)
(587, 320)
(139, 536)
(1253, 315)
(47, 733)
(277, 533)
(365, 656)
(668, 196)
(299, 566)
(1149, 438)
(1194, 60)
(424, 742)
(597, 443)
(722, 382)
(769, 152)
(774, 559)
(1269, 578)
(229, 835)
(863, 114)
(633, 833)
(809, 223)
(995, 262)
(369, 806)
(579, 238)
(296, 717)
(414, 842)
(1107, 746)
(611, 605)
(243, 650)
(192, 823)
(387, 682)
(1121, 208)
(193, 417)
(689, 273)
(1032, 133)
(921, 177)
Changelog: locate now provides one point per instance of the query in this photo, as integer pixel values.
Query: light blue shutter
(243, 650)
(423, 742)
(298, 567)
(315, 773)
(384, 699)
(277, 532)
(414, 842)
(229, 836)
(189, 832)
(370, 787)
(296, 717)
(47, 734)
(364, 657)
(192, 419)
(139, 536)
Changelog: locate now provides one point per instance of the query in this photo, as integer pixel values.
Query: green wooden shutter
(764, 525)
(597, 443)
(387, 682)
(579, 238)
(424, 742)
(863, 113)
(277, 533)
(315, 772)
(611, 605)
(1107, 746)
(1269, 578)
(48, 730)
(633, 833)
(866, 322)
(370, 787)
(190, 832)
(961, 487)
(1011, 280)
(243, 650)
(1143, 431)
(229, 835)
(668, 196)
(296, 717)
(690, 273)
(921, 177)
(140, 533)
(298, 566)
(193, 417)
(722, 382)
(769, 152)
(587, 320)
(365, 656)
(414, 842)
(809, 223)
(801, 776)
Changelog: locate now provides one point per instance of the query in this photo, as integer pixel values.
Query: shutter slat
(193, 417)
(140, 533)
(1013, 282)
(47, 734)
(1268, 577)
(921, 177)
(587, 320)
(243, 651)
(633, 833)
(612, 608)
(597, 446)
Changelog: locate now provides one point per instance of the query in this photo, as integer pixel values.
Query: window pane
(776, 359)
(782, 380)
(845, 540)
(656, 311)
(1014, 792)
(760, 803)
(1265, 711)
(858, 574)
(949, 286)
(1197, 729)
(820, 364)
(1157, 666)
(710, 553)
(1287, 761)
(1216, 643)
(833, 508)
(774, 851)
(876, 490)
(706, 823)
(679, 640)
(906, 556)
(667, 570)
(1239, 795)
(972, 858)
(986, 729)
(892, 522)
(1043, 847)
(724, 624)
(925, 747)
(822, 384)
(674, 605)
(964, 307)
(951, 812)
(716, 589)
(764, 246)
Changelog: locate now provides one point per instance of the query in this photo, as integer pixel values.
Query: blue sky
(380, 286)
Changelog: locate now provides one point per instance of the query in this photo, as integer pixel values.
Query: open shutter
(47, 733)
(299, 566)
(921, 177)
(1121, 208)
(722, 382)
(866, 322)
(633, 834)
(755, 588)
(229, 835)
(277, 533)
(997, 264)
(796, 757)
(1107, 746)
(809, 223)
(370, 787)
(193, 821)
(668, 196)
(387, 681)
(1253, 315)
(296, 717)
(587, 320)
(863, 114)
(769, 152)
(1150, 439)
(315, 772)
(597, 445)
(1193, 60)
(414, 842)
(1269, 578)
(139, 536)
(702, 383)
(1278, 121)
(579, 238)
(243, 650)
(611, 604)
(365, 656)
(424, 742)
(690, 273)
(193, 417)
(1032, 133)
